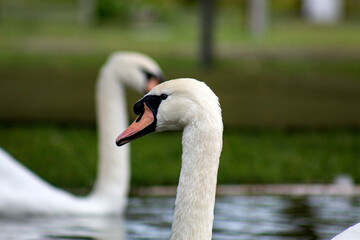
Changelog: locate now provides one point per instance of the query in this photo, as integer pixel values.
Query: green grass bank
(66, 156)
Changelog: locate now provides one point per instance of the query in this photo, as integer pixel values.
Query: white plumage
(352, 233)
(191, 106)
(24, 193)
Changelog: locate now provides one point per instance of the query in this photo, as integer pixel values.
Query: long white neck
(195, 199)
(113, 170)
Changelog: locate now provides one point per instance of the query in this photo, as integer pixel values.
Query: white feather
(193, 107)
(24, 193)
(352, 233)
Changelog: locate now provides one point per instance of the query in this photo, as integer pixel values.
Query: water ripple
(236, 217)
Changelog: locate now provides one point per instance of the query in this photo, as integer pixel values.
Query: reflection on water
(62, 228)
(237, 217)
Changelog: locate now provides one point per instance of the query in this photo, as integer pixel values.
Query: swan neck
(113, 169)
(195, 200)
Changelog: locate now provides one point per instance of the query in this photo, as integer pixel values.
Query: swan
(352, 233)
(189, 105)
(23, 193)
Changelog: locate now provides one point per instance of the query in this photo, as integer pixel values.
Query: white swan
(189, 105)
(352, 233)
(24, 193)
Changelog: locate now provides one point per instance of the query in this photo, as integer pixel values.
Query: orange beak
(140, 127)
(152, 82)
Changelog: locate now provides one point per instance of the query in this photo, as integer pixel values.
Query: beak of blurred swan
(152, 82)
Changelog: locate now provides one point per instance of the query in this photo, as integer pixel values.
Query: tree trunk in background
(1, 9)
(86, 11)
(257, 17)
(323, 11)
(207, 28)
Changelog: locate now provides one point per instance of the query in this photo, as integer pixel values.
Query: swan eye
(163, 96)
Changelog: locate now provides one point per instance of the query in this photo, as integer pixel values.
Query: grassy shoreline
(66, 155)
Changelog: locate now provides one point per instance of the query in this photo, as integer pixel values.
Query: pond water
(236, 217)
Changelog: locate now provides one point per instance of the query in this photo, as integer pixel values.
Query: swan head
(172, 105)
(135, 70)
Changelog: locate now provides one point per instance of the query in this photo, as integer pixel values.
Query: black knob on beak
(138, 107)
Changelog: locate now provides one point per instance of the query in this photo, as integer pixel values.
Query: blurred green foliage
(66, 155)
(113, 11)
(298, 76)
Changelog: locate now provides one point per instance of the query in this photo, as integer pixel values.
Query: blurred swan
(23, 193)
(352, 233)
(191, 106)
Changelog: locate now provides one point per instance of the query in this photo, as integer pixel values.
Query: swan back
(352, 233)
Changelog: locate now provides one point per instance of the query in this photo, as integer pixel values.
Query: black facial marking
(150, 75)
(163, 96)
(139, 117)
(138, 107)
(153, 103)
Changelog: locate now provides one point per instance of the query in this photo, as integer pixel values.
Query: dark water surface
(236, 217)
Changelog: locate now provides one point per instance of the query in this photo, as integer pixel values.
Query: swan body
(352, 233)
(24, 193)
(191, 106)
